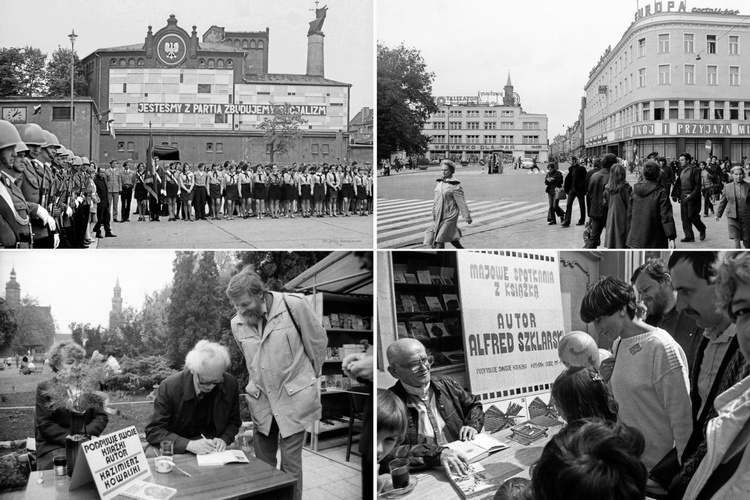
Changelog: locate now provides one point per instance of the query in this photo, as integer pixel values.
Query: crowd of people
(641, 215)
(664, 414)
(51, 197)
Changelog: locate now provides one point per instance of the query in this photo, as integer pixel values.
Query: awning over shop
(340, 272)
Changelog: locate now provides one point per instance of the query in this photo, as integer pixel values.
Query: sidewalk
(326, 476)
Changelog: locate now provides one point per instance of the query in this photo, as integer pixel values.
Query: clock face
(15, 114)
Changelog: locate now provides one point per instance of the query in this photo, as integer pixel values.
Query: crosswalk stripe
(404, 224)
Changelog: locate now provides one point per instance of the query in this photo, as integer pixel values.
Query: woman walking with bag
(553, 185)
(448, 202)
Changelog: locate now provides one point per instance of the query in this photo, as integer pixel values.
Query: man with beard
(719, 363)
(439, 411)
(653, 283)
(15, 213)
(102, 208)
(284, 345)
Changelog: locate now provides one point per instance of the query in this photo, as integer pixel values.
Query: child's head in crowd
(392, 422)
(581, 392)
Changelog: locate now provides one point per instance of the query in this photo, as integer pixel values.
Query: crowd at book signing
(652, 401)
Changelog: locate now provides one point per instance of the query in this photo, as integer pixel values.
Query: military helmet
(33, 134)
(21, 147)
(85, 161)
(76, 161)
(63, 151)
(9, 135)
(51, 140)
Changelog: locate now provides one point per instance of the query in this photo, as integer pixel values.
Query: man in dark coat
(102, 208)
(198, 409)
(595, 199)
(667, 175)
(575, 187)
(689, 194)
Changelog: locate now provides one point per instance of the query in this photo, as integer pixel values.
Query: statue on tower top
(320, 17)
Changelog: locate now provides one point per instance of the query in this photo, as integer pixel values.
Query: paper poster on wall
(512, 315)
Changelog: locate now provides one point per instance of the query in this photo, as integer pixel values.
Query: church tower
(115, 315)
(508, 96)
(13, 291)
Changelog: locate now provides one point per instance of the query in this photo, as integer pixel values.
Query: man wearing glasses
(439, 411)
(198, 409)
(284, 345)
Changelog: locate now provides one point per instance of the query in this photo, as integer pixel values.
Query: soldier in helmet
(34, 182)
(16, 214)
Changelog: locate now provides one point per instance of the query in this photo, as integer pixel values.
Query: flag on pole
(111, 128)
(150, 167)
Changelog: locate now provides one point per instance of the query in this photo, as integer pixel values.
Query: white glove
(56, 237)
(79, 199)
(45, 217)
(69, 211)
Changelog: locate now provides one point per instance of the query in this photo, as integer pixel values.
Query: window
(689, 110)
(219, 147)
(220, 63)
(719, 110)
(202, 63)
(131, 147)
(490, 125)
(182, 78)
(472, 113)
(711, 44)
(664, 43)
(705, 110)
(747, 110)
(490, 113)
(506, 125)
(689, 74)
(711, 75)
(734, 110)
(472, 139)
(673, 109)
(489, 139)
(531, 125)
(438, 125)
(219, 118)
(120, 146)
(659, 110)
(664, 74)
(314, 149)
(124, 88)
(204, 88)
(734, 75)
(734, 45)
(507, 112)
(641, 77)
(531, 139)
(646, 111)
(506, 139)
(472, 125)
(688, 43)
(211, 64)
(62, 113)
(454, 139)
(641, 47)
(456, 112)
(438, 138)
(209, 147)
(291, 93)
(455, 126)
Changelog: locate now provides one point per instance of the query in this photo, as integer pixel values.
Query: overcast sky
(79, 285)
(549, 46)
(348, 29)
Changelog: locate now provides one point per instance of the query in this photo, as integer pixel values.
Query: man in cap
(83, 210)
(16, 213)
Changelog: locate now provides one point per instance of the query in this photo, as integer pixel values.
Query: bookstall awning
(340, 272)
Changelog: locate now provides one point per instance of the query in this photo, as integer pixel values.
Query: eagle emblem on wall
(172, 48)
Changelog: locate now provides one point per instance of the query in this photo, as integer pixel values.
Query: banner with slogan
(112, 461)
(512, 315)
(229, 109)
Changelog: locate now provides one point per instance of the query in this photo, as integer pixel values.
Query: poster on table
(512, 316)
(112, 461)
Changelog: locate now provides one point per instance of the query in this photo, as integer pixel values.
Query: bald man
(439, 411)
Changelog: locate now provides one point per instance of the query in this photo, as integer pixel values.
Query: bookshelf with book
(347, 319)
(428, 306)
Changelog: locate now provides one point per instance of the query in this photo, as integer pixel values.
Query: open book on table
(479, 448)
(222, 457)
(144, 490)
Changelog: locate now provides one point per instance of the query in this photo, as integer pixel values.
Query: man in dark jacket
(689, 194)
(102, 208)
(439, 411)
(650, 212)
(667, 175)
(595, 199)
(575, 187)
(198, 409)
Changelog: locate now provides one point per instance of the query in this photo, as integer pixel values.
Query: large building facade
(474, 128)
(208, 96)
(674, 83)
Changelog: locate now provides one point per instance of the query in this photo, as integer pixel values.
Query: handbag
(560, 194)
(429, 236)
(587, 231)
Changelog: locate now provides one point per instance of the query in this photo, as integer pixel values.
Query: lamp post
(448, 125)
(72, 37)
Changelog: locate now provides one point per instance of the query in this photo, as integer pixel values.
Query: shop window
(120, 146)
(688, 43)
(209, 147)
(711, 44)
(734, 45)
(219, 147)
(62, 113)
(220, 118)
(131, 147)
(204, 88)
(664, 43)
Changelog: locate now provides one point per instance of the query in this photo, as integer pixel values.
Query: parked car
(529, 163)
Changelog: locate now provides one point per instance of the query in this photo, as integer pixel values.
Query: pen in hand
(210, 442)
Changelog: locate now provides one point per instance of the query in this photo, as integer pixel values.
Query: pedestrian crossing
(402, 223)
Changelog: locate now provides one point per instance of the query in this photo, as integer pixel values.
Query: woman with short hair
(259, 191)
(173, 190)
(246, 189)
(448, 203)
(141, 194)
(232, 191)
(617, 200)
(215, 186)
(649, 216)
(187, 183)
(734, 202)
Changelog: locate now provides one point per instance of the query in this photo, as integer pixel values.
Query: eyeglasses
(417, 365)
(202, 381)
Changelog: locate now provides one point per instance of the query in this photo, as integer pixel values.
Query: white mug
(164, 464)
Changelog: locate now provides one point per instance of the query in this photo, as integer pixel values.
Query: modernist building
(208, 96)
(675, 81)
(472, 128)
(361, 136)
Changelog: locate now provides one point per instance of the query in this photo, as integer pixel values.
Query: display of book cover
(527, 432)
(497, 420)
(483, 480)
(347, 321)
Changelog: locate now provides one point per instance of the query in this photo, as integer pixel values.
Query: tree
(36, 327)
(404, 101)
(282, 129)
(152, 322)
(8, 324)
(22, 72)
(58, 75)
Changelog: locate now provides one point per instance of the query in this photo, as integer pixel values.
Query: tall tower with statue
(115, 315)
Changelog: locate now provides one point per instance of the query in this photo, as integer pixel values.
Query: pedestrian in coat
(575, 188)
(650, 217)
(734, 201)
(595, 200)
(448, 202)
(688, 191)
(553, 183)
(617, 199)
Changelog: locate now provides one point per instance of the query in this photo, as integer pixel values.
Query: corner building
(677, 79)
(208, 97)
